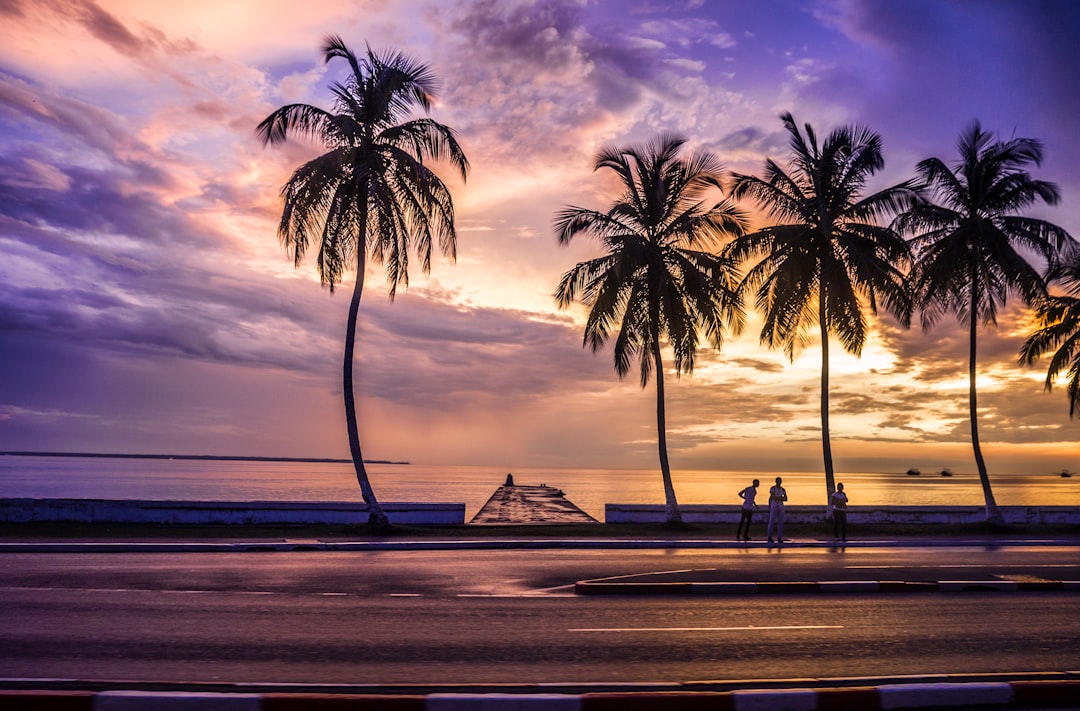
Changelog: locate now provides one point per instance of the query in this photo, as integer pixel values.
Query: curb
(602, 587)
(1000, 695)
(57, 546)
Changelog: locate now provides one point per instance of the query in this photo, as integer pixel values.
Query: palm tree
(970, 244)
(655, 283)
(370, 192)
(1058, 326)
(826, 260)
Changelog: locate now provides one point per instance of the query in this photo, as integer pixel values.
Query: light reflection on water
(590, 489)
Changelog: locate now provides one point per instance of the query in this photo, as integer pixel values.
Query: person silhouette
(838, 500)
(747, 512)
(777, 497)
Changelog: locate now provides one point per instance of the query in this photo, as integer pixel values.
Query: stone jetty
(514, 504)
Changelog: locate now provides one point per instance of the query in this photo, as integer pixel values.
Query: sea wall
(728, 513)
(221, 512)
(316, 512)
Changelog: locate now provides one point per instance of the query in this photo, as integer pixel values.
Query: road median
(683, 587)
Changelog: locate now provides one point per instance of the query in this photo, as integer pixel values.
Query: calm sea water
(590, 489)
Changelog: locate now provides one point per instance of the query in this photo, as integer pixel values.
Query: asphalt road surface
(509, 616)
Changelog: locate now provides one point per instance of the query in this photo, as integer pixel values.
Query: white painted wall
(729, 513)
(221, 512)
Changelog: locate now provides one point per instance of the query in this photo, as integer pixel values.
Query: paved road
(513, 571)
(507, 616)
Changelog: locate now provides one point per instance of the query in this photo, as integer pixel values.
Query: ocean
(589, 489)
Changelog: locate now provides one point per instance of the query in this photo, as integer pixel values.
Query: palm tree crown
(655, 283)
(372, 187)
(970, 240)
(826, 260)
(970, 243)
(371, 192)
(1057, 320)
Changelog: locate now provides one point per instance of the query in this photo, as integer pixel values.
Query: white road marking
(522, 594)
(548, 590)
(656, 572)
(753, 628)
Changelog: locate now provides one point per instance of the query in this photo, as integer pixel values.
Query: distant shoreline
(197, 457)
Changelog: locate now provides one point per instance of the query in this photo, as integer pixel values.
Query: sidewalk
(510, 539)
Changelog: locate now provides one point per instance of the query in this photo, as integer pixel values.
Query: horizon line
(203, 457)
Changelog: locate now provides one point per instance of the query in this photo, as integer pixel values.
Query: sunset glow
(148, 306)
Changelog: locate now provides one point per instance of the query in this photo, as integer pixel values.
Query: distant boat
(946, 472)
(1066, 474)
(913, 472)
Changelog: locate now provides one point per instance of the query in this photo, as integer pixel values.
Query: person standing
(777, 497)
(838, 500)
(748, 507)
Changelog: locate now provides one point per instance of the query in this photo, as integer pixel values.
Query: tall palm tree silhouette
(371, 192)
(969, 241)
(656, 283)
(826, 260)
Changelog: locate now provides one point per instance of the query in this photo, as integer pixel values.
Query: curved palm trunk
(993, 514)
(826, 439)
(671, 506)
(377, 519)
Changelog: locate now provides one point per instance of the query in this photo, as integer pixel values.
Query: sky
(147, 306)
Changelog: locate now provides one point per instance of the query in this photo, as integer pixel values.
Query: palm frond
(335, 47)
(1058, 330)
(304, 119)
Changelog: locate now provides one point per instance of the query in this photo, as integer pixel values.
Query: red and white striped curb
(609, 587)
(999, 695)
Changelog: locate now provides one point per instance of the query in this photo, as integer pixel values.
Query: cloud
(933, 48)
(145, 296)
(34, 113)
(687, 31)
(541, 71)
(762, 366)
(105, 27)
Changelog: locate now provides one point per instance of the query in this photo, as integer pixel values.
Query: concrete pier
(529, 505)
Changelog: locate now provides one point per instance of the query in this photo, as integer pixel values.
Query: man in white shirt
(777, 497)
